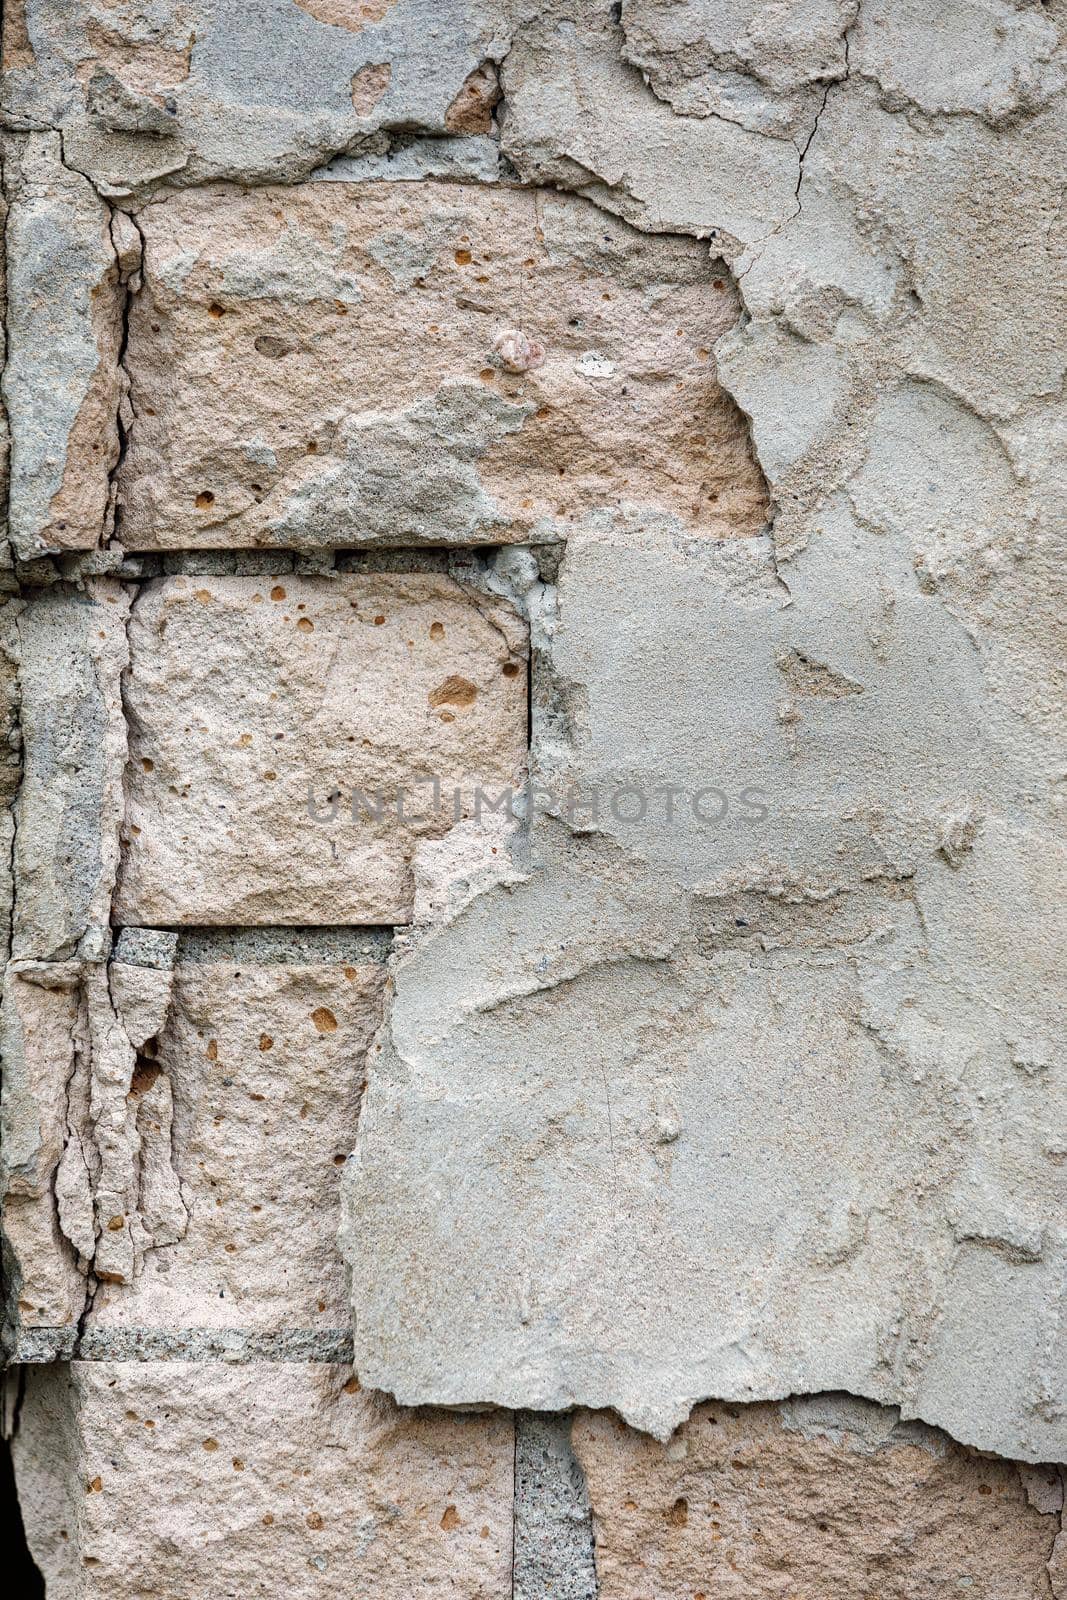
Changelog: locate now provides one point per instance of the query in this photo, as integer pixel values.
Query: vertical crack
(832, 84)
(130, 276)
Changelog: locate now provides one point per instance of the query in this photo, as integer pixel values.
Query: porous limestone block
(61, 383)
(201, 1479)
(821, 1496)
(250, 702)
(266, 1061)
(214, 88)
(398, 363)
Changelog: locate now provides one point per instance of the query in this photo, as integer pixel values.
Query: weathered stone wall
(532, 664)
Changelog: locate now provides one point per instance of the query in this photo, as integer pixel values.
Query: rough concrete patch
(553, 1527)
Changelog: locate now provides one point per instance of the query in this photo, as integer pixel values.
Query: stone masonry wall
(532, 676)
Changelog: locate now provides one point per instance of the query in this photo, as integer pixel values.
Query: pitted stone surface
(197, 1480)
(245, 695)
(266, 1065)
(827, 1496)
(330, 365)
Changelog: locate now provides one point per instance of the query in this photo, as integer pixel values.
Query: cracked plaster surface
(673, 1105)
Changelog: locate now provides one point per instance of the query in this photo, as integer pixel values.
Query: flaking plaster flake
(189, 90)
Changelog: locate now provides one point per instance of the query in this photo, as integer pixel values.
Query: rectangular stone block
(200, 1481)
(264, 1051)
(252, 701)
(422, 363)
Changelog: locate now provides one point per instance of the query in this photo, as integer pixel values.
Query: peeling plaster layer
(778, 1104)
(762, 66)
(215, 88)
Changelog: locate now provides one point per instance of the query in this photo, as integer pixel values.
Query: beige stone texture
(199, 1481)
(321, 366)
(472, 109)
(38, 1022)
(812, 1500)
(266, 1066)
(245, 693)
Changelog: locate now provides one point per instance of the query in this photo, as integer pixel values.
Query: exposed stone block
(197, 1480)
(391, 363)
(265, 1062)
(72, 650)
(247, 696)
(823, 1496)
(43, 1287)
(62, 383)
